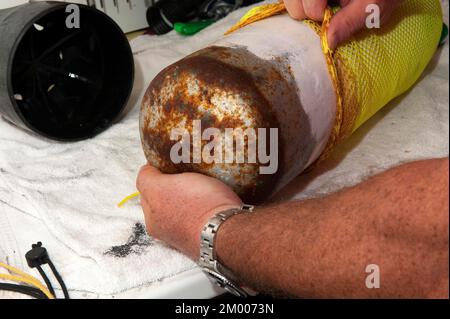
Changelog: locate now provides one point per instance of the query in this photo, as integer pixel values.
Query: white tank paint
(281, 36)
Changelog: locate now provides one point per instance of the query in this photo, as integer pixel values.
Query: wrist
(209, 261)
(194, 249)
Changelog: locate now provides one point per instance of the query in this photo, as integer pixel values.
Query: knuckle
(140, 182)
(348, 23)
(349, 27)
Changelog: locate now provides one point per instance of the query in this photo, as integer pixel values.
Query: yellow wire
(30, 279)
(17, 271)
(35, 283)
(128, 198)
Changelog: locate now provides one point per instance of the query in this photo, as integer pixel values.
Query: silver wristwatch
(208, 258)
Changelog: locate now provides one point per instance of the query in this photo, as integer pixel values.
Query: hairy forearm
(321, 247)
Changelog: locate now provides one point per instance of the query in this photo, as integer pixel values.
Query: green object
(192, 28)
(444, 34)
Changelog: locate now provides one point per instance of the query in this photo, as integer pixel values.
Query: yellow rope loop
(329, 55)
(258, 13)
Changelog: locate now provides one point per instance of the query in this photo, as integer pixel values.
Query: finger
(295, 9)
(344, 3)
(146, 208)
(349, 20)
(315, 9)
(147, 174)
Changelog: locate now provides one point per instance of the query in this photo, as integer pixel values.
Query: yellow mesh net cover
(377, 65)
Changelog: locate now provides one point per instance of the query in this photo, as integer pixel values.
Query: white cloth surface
(65, 195)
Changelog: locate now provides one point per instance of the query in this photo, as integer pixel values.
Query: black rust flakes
(136, 244)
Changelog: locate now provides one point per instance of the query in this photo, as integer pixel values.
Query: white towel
(66, 194)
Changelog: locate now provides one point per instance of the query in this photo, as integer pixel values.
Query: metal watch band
(208, 258)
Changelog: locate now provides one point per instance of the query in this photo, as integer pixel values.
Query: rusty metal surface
(228, 88)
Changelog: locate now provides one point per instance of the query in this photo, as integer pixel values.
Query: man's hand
(348, 21)
(177, 207)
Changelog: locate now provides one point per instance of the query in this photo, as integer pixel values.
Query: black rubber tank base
(66, 84)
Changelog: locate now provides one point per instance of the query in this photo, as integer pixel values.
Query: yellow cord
(258, 13)
(26, 279)
(17, 271)
(332, 69)
(128, 198)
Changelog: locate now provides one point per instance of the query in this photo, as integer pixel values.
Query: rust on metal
(227, 88)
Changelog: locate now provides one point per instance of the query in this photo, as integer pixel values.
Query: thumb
(348, 21)
(147, 174)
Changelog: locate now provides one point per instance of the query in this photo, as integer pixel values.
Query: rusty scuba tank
(277, 73)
